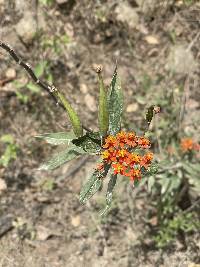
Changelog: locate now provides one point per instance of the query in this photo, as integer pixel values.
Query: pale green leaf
(60, 138)
(93, 184)
(165, 185)
(111, 185)
(150, 182)
(62, 157)
(115, 104)
(91, 187)
(39, 69)
(7, 138)
(33, 87)
(74, 118)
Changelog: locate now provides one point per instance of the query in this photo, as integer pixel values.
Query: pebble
(75, 221)
(150, 39)
(83, 88)
(27, 28)
(132, 107)
(11, 73)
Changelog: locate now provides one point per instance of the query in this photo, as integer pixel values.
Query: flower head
(186, 144)
(143, 142)
(118, 151)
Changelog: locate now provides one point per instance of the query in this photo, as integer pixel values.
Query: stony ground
(156, 44)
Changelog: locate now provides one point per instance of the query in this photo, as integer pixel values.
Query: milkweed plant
(121, 153)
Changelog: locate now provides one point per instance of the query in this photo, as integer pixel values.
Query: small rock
(75, 221)
(132, 107)
(11, 73)
(83, 88)
(3, 185)
(26, 28)
(151, 39)
(126, 14)
(90, 102)
(43, 233)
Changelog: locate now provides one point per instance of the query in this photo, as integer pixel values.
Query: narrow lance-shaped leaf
(111, 185)
(93, 184)
(74, 118)
(62, 157)
(103, 107)
(109, 195)
(115, 104)
(61, 138)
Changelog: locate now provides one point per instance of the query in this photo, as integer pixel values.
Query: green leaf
(115, 104)
(150, 182)
(103, 107)
(93, 184)
(165, 184)
(39, 69)
(90, 142)
(193, 171)
(74, 118)
(7, 138)
(60, 138)
(111, 185)
(62, 157)
(33, 87)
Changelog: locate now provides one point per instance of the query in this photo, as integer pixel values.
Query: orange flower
(146, 160)
(134, 174)
(118, 168)
(110, 141)
(186, 144)
(133, 159)
(143, 142)
(109, 155)
(121, 138)
(131, 139)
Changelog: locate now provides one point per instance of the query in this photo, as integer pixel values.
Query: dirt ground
(156, 44)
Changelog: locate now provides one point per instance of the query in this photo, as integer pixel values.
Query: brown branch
(50, 89)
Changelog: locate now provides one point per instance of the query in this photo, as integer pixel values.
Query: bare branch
(50, 89)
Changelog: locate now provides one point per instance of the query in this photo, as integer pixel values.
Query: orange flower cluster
(118, 152)
(187, 144)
